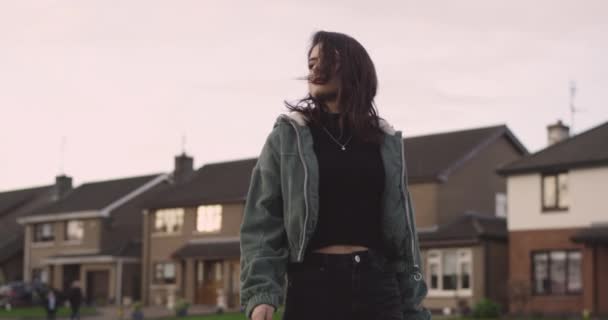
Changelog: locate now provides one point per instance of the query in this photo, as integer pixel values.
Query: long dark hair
(358, 85)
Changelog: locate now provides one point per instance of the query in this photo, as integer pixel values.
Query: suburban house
(558, 224)
(191, 236)
(13, 205)
(191, 246)
(91, 235)
(460, 206)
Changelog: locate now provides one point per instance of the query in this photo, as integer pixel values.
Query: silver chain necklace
(342, 146)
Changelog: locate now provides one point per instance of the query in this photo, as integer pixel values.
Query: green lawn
(277, 316)
(225, 316)
(40, 313)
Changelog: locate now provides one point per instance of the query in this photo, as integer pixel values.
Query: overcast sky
(122, 81)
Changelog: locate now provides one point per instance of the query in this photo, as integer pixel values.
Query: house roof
(589, 148)
(13, 205)
(592, 235)
(214, 249)
(95, 195)
(123, 235)
(434, 157)
(221, 182)
(470, 227)
(429, 158)
(12, 200)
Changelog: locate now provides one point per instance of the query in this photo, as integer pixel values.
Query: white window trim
(72, 242)
(450, 293)
(42, 244)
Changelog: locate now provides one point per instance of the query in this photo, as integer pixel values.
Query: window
(449, 271)
(74, 230)
(555, 192)
(169, 220)
(40, 275)
(209, 218)
(465, 270)
(556, 272)
(164, 273)
(501, 204)
(434, 276)
(43, 232)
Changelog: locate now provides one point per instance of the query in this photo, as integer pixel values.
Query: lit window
(209, 218)
(169, 220)
(74, 230)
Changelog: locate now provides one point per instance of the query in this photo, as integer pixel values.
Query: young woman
(328, 203)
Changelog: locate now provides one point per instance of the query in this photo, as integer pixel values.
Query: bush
(181, 307)
(486, 308)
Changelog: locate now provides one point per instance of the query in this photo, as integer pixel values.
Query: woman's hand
(262, 312)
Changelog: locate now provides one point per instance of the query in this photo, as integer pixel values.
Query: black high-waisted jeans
(350, 286)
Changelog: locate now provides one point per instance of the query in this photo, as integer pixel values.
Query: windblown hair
(357, 80)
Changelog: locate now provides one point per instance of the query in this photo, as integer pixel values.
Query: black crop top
(351, 183)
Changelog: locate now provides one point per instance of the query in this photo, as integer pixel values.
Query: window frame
(459, 291)
(163, 280)
(36, 239)
(549, 292)
(556, 208)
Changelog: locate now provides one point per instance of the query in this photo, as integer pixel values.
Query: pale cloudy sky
(124, 80)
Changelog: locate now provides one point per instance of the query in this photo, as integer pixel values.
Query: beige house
(558, 225)
(92, 235)
(460, 206)
(191, 245)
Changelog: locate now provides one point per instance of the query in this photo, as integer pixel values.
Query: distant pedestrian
(75, 299)
(50, 304)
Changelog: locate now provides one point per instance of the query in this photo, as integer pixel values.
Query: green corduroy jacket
(281, 212)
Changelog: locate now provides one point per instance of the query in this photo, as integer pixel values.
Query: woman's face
(317, 87)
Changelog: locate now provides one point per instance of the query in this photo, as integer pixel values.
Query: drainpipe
(595, 277)
(119, 264)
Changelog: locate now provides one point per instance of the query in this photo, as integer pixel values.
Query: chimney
(184, 166)
(557, 132)
(63, 185)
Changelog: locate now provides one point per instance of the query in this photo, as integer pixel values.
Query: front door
(209, 279)
(98, 287)
(71, 273)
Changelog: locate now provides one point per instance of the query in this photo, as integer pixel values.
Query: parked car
(19, 293)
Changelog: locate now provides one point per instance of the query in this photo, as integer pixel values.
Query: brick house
(460, 206)
(558, 225)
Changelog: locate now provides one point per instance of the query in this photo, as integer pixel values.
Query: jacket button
(357, 259)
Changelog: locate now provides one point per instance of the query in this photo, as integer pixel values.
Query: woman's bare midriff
(340, 249)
